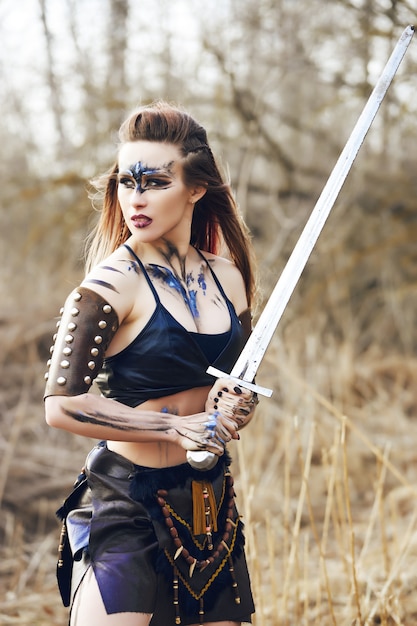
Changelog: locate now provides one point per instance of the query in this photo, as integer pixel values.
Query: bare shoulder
(231, 280)
(116, 279)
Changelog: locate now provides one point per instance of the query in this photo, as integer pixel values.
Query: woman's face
(155, 202)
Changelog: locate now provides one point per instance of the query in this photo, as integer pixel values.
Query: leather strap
(85, 330)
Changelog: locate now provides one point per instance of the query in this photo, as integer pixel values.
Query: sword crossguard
(263, 391)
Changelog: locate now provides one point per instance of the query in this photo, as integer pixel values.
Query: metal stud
(94, 351)
(87, 380)
(75, 311)
(51, 349)
(72, 326)
(61, 310)
(91, 365)
(77, 296)
(61, 380)
(107, 308)
(46, 376)
(48, 363)
(65, 364)
(67, 351)
(98, 339)
(102, 324)
(58, 324)
(69, 338)
(54, 337)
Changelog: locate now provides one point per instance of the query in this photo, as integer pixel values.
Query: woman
(148, 539)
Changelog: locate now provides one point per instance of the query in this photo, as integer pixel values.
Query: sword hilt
(202, 459)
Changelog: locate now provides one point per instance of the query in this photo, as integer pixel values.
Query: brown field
(326, 474)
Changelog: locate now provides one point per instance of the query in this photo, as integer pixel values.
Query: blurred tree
(279, 84)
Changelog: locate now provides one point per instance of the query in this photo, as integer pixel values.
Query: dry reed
(325, 475)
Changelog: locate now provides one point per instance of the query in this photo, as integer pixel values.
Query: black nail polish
(237, 390)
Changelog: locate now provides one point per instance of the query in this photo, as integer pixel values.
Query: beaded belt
(198, 527)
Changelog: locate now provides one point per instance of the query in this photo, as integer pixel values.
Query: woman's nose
(138, 197)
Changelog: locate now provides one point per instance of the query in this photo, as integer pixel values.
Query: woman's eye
(127, 182)
(154, 183)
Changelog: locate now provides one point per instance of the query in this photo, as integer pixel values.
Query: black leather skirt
(163, 541)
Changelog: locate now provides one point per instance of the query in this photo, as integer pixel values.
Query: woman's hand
(209, 431)
(233, 401)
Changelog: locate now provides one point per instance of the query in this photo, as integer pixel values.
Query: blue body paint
(138, 172)
(202, 282)
(102, 283)
(168, 278)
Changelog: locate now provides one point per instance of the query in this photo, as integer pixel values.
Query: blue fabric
(165, 358)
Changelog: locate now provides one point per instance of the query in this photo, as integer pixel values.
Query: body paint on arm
(194, 428)
(102, 283)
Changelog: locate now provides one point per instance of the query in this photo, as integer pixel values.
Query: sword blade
(251, 356)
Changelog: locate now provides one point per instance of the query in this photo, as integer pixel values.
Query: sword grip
(201, 459)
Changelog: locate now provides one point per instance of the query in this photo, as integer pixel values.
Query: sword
(247, 364)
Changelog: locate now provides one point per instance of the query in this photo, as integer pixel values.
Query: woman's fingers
(232, 400)
(204, 431)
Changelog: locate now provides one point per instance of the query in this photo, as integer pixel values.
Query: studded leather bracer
(85, 330)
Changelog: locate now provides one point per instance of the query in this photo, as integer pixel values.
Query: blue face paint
(140, 173)
(146, 177)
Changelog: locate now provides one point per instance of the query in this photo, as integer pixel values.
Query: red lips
(141, 221)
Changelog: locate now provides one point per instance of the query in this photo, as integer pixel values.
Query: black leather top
(165, 358)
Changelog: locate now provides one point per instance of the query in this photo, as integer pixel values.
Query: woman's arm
(228, 399)
(93, 416)
(88, 324)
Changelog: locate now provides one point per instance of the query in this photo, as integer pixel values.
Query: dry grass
(326, 474)
(331, 505)
(329, 501)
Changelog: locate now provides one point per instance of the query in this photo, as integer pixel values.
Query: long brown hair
(216, 222)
